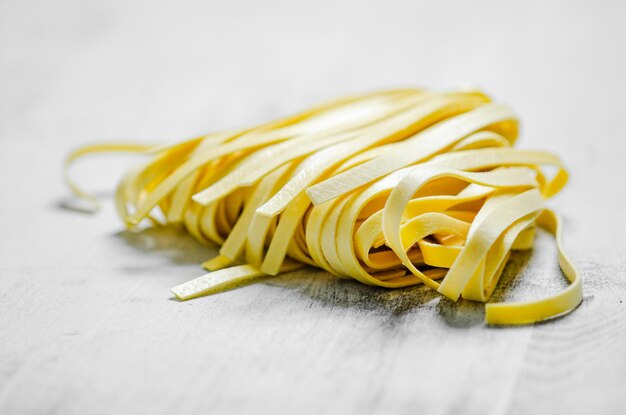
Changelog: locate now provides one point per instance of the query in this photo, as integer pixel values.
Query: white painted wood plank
(86, 317)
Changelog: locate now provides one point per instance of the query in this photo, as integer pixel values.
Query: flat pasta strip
(393, 188)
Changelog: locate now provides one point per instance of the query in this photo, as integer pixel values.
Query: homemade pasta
(393, 189)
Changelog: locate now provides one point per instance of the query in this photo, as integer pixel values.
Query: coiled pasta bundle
(393, 188)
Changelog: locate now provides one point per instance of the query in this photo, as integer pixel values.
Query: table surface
(86, 320)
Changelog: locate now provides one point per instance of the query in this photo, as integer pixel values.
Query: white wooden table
(87, 324)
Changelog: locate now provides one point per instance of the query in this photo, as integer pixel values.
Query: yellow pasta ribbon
(393, 188)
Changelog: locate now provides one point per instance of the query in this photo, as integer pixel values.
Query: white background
(86, 320)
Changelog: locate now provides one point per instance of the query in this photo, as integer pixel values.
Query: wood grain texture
(87, 324)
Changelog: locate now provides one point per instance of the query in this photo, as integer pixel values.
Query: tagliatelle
(394, 188)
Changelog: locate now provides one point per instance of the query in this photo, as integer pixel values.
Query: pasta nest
(393, 188)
